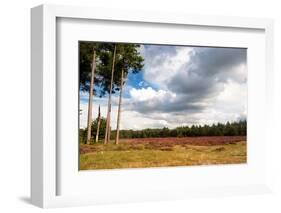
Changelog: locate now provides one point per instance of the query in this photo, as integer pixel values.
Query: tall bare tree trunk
(107, 134)
(119, 108)
(106, 128)
(90, 104)
(98, 127)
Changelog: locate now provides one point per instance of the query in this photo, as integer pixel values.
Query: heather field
(163, 152)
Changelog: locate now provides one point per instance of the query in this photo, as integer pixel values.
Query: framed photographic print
(129, 106)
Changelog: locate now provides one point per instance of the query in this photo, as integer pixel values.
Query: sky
(179, 86)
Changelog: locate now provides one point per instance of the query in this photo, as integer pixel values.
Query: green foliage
(103, 66)
(128, 58)
(228, 129)
(83, 132)
(82, 136)
(101, 130)
(86, 50)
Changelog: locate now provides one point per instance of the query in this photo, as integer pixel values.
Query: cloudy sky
(180, 86)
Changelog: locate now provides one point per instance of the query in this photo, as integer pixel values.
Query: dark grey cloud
(205, 75)
(182, 103)
(207, 69)
(197, 81)
(212, 61)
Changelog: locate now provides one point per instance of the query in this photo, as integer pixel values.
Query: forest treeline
(219, 129)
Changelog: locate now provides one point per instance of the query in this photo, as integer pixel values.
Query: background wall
(15, 104)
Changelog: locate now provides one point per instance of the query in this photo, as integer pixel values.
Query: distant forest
(219, 129)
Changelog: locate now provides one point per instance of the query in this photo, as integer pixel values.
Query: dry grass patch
(143, 155)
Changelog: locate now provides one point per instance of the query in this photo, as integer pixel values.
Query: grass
(126, 155)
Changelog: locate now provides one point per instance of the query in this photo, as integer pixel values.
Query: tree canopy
(128, 58)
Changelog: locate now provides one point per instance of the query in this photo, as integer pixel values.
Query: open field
(161, 152)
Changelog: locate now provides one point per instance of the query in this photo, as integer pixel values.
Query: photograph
(159, 105)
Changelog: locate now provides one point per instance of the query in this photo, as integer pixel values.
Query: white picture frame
(44, 150)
